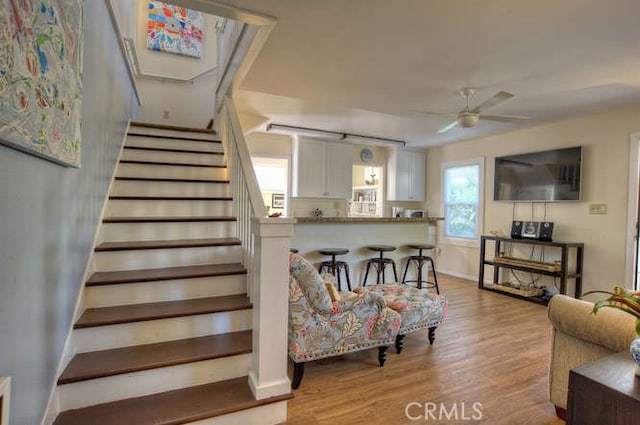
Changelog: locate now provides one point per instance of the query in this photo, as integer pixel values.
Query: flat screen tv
(546, 176)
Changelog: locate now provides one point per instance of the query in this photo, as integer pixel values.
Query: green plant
(621, 299)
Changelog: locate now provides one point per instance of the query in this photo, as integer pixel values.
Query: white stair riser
(268, 414)
(164, 290)
(152, 331)
(175, 157)
(151, 142)
(172, 133)
(136, 384)
(161, 258)
(151, 188)
(161, 208)
(170, 171)
(116, 232)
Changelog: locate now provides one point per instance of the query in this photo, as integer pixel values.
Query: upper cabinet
(322, 169)
(405, 175)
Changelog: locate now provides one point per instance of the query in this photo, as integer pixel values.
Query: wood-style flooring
(491, 349)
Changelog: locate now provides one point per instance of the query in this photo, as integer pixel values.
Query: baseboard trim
(457, 274)
(269, 389)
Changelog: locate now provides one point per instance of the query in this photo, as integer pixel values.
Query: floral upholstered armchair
(320, 327)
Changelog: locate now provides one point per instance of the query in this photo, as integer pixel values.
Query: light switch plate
(597, 208)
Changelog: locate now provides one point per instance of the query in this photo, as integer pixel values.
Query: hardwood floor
(491, 349)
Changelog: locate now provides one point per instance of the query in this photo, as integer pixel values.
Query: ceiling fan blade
(447, 127)
(503, 118)
(492, 101)
(434, 113)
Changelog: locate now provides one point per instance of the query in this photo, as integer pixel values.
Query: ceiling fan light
(468, 120)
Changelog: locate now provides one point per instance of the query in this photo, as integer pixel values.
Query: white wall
(126, 15)
(605, 137)
(190, 105)
(49, 217)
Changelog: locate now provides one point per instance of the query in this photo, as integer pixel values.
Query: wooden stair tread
(173, 137)
(167, 273)
(104, 316)
(158, 148)
(166, 219)
(178, 243)
(172, 127)
(99, 364)
(173, 179)
(176, 164)
(171, 198)
(172, 407)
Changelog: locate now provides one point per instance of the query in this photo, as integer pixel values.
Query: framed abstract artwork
(174, 29)
(41, 78)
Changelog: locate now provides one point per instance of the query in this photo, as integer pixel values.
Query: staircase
(165, 335)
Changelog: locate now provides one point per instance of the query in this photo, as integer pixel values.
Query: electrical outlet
(597, 208)
(165, 114)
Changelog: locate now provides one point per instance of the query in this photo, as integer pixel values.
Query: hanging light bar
(346, 137)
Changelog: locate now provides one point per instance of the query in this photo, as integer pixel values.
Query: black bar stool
(380, 262)
(334, 267)
(419, 261)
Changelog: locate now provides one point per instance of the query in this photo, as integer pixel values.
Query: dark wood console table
(604, 392)
(562, 272)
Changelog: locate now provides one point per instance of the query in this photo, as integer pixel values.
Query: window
(463, 199)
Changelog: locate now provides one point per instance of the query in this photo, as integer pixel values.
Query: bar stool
(419, 261)
(380, 262)
(333, 266)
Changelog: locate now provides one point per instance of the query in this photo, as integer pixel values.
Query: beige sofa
(580, 337)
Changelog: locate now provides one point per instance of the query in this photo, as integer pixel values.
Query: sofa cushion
(418, 308)
(333, 292)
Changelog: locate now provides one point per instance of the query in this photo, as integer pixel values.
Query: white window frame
(469, 242)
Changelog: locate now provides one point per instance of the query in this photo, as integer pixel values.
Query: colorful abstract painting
(41, 77)
(174, 29)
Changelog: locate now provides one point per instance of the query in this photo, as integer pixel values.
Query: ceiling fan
(469, 117)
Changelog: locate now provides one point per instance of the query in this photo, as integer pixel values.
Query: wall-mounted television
(546, 176)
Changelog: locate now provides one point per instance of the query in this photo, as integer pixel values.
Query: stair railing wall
(265, 254)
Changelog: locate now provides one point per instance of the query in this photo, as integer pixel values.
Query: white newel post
(268, 374)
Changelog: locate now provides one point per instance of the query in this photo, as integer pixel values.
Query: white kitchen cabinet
(322, 169)
(405, 175)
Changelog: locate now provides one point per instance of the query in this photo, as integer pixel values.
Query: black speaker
(546, 229)
(516, 230)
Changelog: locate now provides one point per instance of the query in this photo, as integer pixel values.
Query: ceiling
(365, 66)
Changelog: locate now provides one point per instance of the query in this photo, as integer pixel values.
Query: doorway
(633, 214)
(273, 177)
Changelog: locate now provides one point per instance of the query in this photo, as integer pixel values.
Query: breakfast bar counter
(332, 220)
(355, 233)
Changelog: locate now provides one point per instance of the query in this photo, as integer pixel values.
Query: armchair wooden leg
(382, 355)
(298, 371)
(399, 343)
(432, 334)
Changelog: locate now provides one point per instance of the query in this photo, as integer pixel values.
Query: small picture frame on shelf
(277, 200)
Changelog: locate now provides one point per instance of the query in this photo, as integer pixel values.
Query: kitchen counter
(356, 233)
(319, 220)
